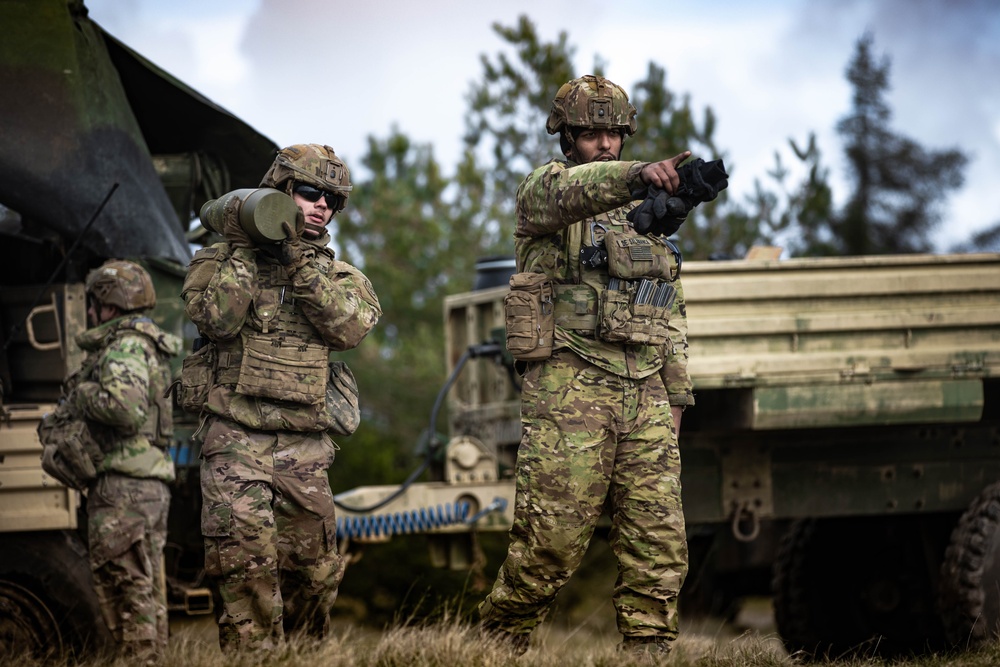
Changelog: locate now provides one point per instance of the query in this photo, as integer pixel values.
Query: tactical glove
(300, 223)
(231, 227)
(659, 213)
(290, 252)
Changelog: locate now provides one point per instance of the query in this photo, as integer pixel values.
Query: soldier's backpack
(69, 451)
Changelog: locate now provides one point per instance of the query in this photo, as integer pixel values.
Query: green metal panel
(857, 404)
(81, 112)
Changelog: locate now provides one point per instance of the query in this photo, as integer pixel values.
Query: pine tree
(898, 184)
(506, 137)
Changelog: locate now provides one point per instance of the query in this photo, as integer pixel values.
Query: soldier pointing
(596, 318)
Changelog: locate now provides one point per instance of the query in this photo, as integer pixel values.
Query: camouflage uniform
(120, 393)
(268, 511)
(596, 422)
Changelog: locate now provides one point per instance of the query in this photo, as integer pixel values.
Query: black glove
(663, 214)
(659, 213)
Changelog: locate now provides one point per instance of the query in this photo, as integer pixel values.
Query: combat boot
(647, 646)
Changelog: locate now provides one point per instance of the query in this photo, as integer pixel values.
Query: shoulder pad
(219, 251)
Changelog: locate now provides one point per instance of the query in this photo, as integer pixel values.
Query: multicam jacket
(239, 297)
(561, 208)
(120, 393)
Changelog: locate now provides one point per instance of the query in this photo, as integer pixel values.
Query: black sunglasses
(309, 193)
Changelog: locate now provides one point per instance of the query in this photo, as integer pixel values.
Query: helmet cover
(591, 102)
(314, 164)
(123, 284)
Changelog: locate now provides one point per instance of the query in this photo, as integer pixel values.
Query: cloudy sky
(336, 72)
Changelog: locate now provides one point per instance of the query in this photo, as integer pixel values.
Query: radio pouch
(69, 452)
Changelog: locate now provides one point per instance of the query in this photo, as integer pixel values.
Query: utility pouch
(283, 370)
(614, 316)
(197, 377)
(635, 312)
(69, 452)
(649, 324)
(529, 311)
(342, 399)
(631, 257)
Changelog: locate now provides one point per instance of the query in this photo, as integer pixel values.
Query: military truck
(846, 437)
(103, 155)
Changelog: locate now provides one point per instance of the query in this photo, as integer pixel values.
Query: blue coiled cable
(387, 525)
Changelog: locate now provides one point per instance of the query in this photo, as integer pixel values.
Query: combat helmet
(123, 284)
(314, 164)
(591, 102)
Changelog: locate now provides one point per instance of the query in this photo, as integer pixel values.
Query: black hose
(484, 349)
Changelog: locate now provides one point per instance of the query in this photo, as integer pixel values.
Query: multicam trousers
(127, 528)
(270, 532)
(590, 437)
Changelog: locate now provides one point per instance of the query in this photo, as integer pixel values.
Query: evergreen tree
(506, 137)
(898, 184)
(798, 215)
(402, 231)
(987, 240)
(505, 125)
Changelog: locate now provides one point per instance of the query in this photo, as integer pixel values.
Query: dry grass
(451, 643)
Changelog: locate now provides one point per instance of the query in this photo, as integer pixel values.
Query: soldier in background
(600, 415)
(119, 393)
(273, 313)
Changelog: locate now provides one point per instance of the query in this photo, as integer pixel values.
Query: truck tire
(855, 586)
(26, 624)
(968, 598)
(46, 587)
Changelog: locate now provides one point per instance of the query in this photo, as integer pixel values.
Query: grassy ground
(580, 632)
(449, 643)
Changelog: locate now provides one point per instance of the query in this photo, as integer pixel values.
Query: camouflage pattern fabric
(674, 372)
(127, 529)
(219, 292)
(597, 428)
(121, 395)
(268, 513)
(590, 436)
(555, 205)
(270, 532)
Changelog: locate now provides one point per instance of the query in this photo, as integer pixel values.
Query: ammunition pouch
(635, 312)
(197, 377)
(631, 257)
(342, 399)
(529, 313)
(283, 370)
(69, 452)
